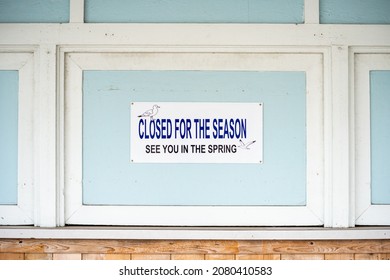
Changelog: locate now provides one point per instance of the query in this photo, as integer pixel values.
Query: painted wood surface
(33, 256)
(11, 256)
(188, 11)
(354, 12)
(187, 257)
(106, 256)
(67, 257)
(34, 11)
(339, 256)
(29, 249)
(220, 257)
(151, 257)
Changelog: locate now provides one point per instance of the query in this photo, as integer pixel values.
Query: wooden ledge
(195, 233)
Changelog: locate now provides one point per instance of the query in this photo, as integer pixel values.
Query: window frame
(22, 213)
(74, 61)
(365, 60)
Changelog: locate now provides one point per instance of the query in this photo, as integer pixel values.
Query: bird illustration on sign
(150, 113)
(245, 146)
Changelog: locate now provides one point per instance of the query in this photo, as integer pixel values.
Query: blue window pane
(34, 11)
(355, 11)
(9, 81)
(202, 11)
(109, 177)
(380, 136)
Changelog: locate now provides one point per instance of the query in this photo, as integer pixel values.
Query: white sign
(196, 132)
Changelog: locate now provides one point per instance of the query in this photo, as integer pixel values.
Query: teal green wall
(190, 11)
(355, 11)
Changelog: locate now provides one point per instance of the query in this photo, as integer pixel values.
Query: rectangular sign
(196, 132)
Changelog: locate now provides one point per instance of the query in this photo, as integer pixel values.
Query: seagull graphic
(150, 113)
(246, 145)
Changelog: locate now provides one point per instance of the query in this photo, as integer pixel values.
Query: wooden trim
(250, 257)
(188, 257)
(151, 257)
(340, 186)
(23, 61)
(11, 256)
(106, 257)
(76, 11)
(312, 11)
(45, 150)
(75, 256)
(16, 249)
(339, 256)
(372, 256)
(303, 257)
(40, 256)
(197, 247)
(219, 257)
(365, 60)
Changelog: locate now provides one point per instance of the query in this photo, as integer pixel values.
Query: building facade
(194, 129)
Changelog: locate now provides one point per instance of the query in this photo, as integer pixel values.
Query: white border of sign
(77, 213)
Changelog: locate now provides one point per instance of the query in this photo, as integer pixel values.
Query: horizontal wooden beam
(196, 233)
(226, 247)
(150, 35)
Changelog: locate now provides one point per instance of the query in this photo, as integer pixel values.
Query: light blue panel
(355, 11)
(380, 136)
(110, 178)
(9, 84)
(34, 11)
(195, 11)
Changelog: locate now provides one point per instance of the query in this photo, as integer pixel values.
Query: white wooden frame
(23, 212)
(366, 60)
(207, 59)
(337, 42)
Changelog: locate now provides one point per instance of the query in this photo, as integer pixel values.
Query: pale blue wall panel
(380, 137)
(34, 11)
(110, 178)
(190, 11)
(9, 84)
(355, 11)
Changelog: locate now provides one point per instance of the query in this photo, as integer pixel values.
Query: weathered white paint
(196, 233)
(340, 138)
(23, 61)
(172, 59)
(76, 11)
(312, 11)
(46, 143)
(366, 59)
(201, 35)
